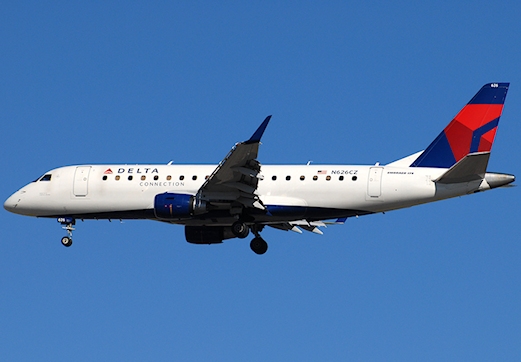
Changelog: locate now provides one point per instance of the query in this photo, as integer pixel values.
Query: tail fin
(471, 131)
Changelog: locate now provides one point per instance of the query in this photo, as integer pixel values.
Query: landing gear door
(81, 181)
(374, 183)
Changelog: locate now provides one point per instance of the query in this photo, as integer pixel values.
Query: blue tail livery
(472, 130)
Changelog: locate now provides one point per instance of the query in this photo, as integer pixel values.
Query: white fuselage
(127, 191)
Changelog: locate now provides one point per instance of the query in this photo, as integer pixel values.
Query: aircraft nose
(12, 202)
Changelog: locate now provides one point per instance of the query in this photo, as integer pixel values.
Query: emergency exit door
(374, 183)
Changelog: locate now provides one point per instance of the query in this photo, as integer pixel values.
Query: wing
(234, 181)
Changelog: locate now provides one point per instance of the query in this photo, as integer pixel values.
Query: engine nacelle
(204, 234)
(171, 206)
(208, 234)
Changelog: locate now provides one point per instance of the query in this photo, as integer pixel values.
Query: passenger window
(302, 178)
(117, 177)
(105, 178)
(341, 178)
(328, 178)
(194, 177)
(156, 177)
(46, 177)
(315, 178)
(181, 177)
(206, 177)
(288, 178)
(143, 178)
(169, 177)
(130, 178)
(354, 178)
(274, 178)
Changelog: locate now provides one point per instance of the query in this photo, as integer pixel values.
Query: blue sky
(346, 82)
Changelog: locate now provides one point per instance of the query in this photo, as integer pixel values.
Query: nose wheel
(67, 225)
(66, 241)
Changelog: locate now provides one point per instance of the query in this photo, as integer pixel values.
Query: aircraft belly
(290, 214)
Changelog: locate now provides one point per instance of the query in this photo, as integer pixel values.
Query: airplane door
(374, 183)
(81, 181)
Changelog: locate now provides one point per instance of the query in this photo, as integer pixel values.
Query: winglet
(258, 133)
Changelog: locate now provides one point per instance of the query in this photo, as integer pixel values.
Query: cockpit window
(46, 177)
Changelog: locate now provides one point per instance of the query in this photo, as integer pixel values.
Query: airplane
(239, 195)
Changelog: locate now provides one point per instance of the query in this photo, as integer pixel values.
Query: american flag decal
(322, 172)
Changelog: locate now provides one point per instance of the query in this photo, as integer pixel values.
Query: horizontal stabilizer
(472, 167)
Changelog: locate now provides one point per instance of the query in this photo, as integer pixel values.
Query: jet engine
(208, 234)
(171, 206)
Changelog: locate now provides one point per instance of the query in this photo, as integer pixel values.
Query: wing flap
(311, 226)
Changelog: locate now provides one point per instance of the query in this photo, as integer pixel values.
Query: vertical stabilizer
(472, 130)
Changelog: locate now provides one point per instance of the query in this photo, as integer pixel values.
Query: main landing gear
(241, 230)
(68, 225)
(258, 245)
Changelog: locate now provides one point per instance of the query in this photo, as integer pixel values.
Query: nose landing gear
(66, 241)
(68, 225)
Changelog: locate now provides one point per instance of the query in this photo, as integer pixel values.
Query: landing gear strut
(68, 225)
(258, 245)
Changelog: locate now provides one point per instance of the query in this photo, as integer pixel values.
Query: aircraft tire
(258, 245)
(66, 241)
(240, 230)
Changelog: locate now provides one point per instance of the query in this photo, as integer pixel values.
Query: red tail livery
(471, 131)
